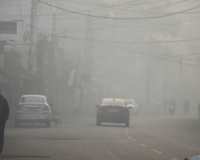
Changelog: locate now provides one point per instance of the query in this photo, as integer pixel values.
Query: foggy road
(152, 136)
(74, 59)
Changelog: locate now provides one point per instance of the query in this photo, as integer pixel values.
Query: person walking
(4, 113)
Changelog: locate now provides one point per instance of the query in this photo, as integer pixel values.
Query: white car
(193, 158)
(33, 108)
(134, 108)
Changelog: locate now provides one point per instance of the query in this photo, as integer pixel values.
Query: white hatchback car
(33, 108)
(134, 108)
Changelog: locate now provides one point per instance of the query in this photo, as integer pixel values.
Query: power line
(118, 18)
(161, 58)
(139, 42)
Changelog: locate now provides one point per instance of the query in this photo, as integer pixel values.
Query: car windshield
(109, 102)
(32, 100)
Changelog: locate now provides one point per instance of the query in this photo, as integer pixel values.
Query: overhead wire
(122, 18)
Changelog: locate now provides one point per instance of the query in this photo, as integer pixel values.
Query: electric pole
(149, 73)
(85, 62)
(32, 23)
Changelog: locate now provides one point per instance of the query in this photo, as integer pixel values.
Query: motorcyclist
(172, 103)
(186, 105)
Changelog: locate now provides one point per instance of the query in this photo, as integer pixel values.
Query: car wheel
(127, 124)
(17, 123)
(98, 122)
(48, 124)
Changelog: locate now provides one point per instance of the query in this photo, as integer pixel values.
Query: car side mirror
(130, 107)
(97, 106)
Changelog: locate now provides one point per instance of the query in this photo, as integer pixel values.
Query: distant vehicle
(33, 108)
(172, 106)
(113, 110)
(134, 108)
(171, 109)
(186, 106)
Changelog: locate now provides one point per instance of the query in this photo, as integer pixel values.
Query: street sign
(8, 27)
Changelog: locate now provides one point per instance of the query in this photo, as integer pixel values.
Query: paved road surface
(152, 136)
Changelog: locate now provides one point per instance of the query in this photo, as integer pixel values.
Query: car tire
(48, 124)
(127, 124)
(17, 123)
(98, 122)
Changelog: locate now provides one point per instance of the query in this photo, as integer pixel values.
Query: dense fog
(66, 59)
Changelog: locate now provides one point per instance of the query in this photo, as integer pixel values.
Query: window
(118, 103)
(129, 102)
(32, 100)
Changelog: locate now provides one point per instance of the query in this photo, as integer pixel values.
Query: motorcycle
(186, 109)
(171, 110)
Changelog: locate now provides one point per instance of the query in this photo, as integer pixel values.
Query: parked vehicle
(134, 108)
(113, 110)
(33, 108)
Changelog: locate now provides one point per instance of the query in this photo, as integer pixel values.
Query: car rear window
(109, 102)
(129, 102)
(32, 99)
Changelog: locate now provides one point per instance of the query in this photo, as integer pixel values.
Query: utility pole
(149, 73)
(89, 62)
(52, 80)
(165, 82)
(32, 23)
(86, 66)
(2, 43)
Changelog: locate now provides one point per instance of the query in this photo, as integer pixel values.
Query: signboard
(8, 27)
